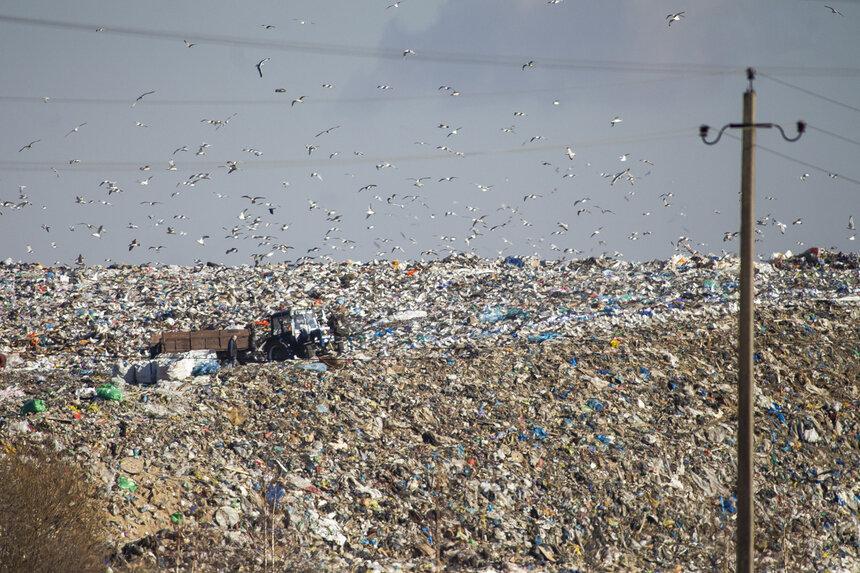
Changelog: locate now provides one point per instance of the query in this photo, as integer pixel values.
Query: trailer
(173, 342)
(293, 333)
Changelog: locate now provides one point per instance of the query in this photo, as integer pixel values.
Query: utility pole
(745, 537)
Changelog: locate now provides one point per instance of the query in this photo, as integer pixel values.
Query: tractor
(294, 333)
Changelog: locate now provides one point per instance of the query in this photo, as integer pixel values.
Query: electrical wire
(808, 92)
(275, 163)
(831, 134)
(283, 101)
(831, 174)
(432, 56)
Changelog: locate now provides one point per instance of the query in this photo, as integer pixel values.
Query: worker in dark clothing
(339, 327)
(232, 351)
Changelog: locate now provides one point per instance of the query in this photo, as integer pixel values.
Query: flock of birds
(261, 218)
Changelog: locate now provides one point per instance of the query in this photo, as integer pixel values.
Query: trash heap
(493, 415)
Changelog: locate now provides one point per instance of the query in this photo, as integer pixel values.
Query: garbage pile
(484, 415)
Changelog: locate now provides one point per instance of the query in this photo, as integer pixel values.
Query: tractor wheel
(279, 353)
(310, 351)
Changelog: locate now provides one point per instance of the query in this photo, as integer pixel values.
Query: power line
(832, 174)
(831, 134)
(282, 101)
(810, 92)
(275, 163)
(432, 56)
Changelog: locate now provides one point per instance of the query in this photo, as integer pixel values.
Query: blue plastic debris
(595, 404)
(206, 367)
(726, 505)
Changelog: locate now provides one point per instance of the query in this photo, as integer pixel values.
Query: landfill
(490, 415)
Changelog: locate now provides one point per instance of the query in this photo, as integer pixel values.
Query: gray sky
(419, 128)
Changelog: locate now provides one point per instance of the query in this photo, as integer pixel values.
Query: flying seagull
(141, 96)
(676, 17)
(260, 65)
(29, 145)
(833, 10)
(76, 128)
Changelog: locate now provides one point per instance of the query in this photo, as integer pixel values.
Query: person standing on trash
(232, 351)
(338, 326)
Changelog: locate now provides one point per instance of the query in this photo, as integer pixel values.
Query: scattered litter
(499, 415)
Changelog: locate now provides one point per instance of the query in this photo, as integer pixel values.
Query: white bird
(369, 211)
(76, 128)
(850, 222)
(614, 121)
(676, 17)
(202, 240)
(260, 65)
(133, 244)
(300, 99)
(833, 10)
(570, 153)
(417, 181)
(188, 44)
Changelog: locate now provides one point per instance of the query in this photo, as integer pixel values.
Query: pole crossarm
(704, 129)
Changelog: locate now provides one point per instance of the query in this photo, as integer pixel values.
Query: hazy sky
(408, 130)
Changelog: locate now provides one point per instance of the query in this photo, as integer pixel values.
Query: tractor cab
(295, 333)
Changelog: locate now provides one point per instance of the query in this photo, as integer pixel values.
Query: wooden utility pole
(744, 543)
(746, 525)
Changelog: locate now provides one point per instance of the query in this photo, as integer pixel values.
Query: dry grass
(50, 516)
